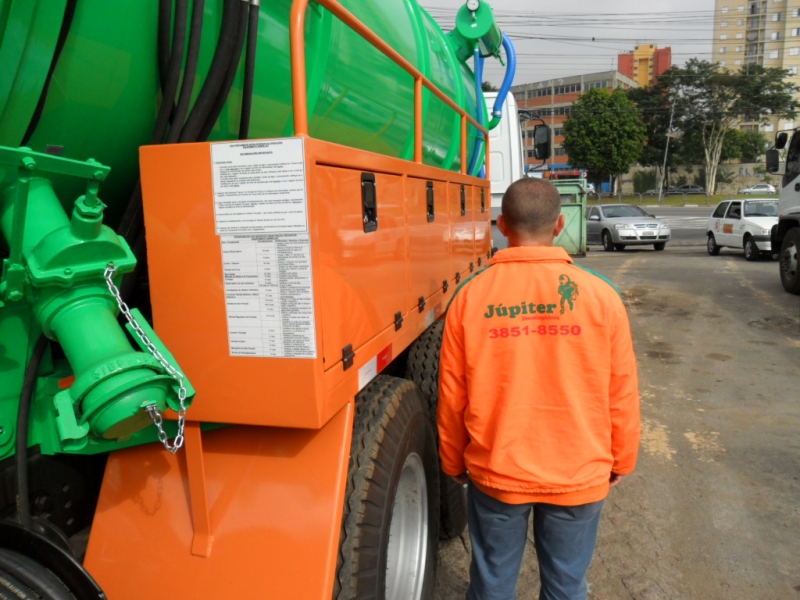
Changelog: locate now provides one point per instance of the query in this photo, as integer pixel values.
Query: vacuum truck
(229, 232)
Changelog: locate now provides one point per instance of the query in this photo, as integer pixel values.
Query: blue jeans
(564, 536)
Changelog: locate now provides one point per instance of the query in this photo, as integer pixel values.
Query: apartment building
(645, 63)
(552, 100)
(758, 32)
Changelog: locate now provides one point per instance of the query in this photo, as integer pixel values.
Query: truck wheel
(423, 369)
(750, 249)
(711, 245)
(790, 272)
(391, 508)
(608, 243)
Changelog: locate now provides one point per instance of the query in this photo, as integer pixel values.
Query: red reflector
(384, 358)
(66, 383)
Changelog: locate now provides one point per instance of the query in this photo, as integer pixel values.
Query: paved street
(713, 510)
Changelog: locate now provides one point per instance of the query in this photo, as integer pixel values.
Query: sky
(574, 37)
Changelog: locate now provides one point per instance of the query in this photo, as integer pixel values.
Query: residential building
(552, 100)
(758, 32)
(645, 63)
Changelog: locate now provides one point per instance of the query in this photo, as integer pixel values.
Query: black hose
(233, 67)
(164, 35)
(189, 71)
(23, 421)
(249, 72)
(220, 64)
(66, 24)
(173, 72)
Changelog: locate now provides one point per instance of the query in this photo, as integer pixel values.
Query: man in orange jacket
(538, 402)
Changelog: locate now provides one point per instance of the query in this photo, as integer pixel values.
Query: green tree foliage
(604, 133)
(488, 87)
(644, 180)
(710, 101)
(754, 144)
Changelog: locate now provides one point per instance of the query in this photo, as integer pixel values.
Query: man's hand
(614, 480)
(462, 479)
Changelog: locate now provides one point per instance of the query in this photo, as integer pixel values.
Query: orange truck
(229, 233)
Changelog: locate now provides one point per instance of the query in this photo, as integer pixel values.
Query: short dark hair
(531, 206)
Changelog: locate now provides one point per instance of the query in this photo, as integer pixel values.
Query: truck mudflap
(246, 512)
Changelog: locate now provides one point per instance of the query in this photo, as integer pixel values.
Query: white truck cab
(507, 158)
(785, 235)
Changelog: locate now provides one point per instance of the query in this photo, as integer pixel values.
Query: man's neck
(519, 242)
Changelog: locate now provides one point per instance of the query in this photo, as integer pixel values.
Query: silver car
(759, 188)
(619, 225)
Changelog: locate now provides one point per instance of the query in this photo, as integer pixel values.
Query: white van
(507, 157)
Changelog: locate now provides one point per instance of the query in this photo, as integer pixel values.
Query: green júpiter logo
(567, 289)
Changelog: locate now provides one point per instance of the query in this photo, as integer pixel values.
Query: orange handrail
(300, 90)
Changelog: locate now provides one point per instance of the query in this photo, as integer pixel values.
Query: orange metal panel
(462, 229)
(428, 242)
(275, 498)
(362, 276)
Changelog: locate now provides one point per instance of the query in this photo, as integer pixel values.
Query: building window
(531, 154)
(741, 8)
(558, 131)
(724, 10)
(561, 152)
(737, 63)
(740, 22)
(723, 24)
(775, 35)
(739, 36)
(738, 48)
(724, 36)
(795, 31)
(568, 89)
(774, 53)
(721, 63)
(792, 70)
(796, 12)
(794, 51)
(723, 50)
(789, 125)
(776, 16)
(596, 84)
(769, 128)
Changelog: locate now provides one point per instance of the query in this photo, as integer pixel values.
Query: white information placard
(259, 186)
(269, 295)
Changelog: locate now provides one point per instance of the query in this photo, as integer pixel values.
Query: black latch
(480, 261)
(421, 303)
(458, 277)
(398, 320)
(445, 286)
(369, 202)
(471, 267)
(429, 201)
(463, 201)
(483, 200)
(347, 356)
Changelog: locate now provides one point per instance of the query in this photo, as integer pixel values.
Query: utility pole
(666, 152)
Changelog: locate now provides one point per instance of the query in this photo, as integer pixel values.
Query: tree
(710, 101)
(655, 108)
(486, 86)
(754, 144)
(604, 133)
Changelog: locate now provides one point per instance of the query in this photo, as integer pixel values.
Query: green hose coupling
(476, 26)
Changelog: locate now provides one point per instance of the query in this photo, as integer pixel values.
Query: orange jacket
(538, 385)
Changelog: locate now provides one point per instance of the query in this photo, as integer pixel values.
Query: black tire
(790, 271)
(660, 246)
(392, 436)
(423, 369)
(608, 243)
(619, 247)
(711, 245)
(751, 251)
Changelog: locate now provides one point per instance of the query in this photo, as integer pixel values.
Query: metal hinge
(421, 303)
(398, 320)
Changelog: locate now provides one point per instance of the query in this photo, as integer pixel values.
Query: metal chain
(152, 410)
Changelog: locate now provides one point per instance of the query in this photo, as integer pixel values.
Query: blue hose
(511, 71)
(476, 151)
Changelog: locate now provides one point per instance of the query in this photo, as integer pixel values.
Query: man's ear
(502, 226)
(560, 223)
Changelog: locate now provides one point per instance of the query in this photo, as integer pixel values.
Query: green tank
(104, 93)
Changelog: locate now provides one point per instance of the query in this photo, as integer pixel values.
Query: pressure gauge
(473, 5)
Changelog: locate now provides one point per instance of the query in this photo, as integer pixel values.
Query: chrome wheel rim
(748, 249)
(789, 261)
(711, 244)
(407, 552)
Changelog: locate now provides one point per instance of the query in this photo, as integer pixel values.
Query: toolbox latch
(483, 200)
(445, 286)
(347, 356)
(369, 202)
(421, 303)
(458, 277)
(471, 267)
(463, 201)
(398, 320)
(429, 201)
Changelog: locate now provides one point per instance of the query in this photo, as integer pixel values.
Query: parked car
(654, 192)
(590, 190)
(759, 188)
(619, 225)
(743, 224)
(689, 188)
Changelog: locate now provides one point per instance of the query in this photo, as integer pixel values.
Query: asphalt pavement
(713, 509)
